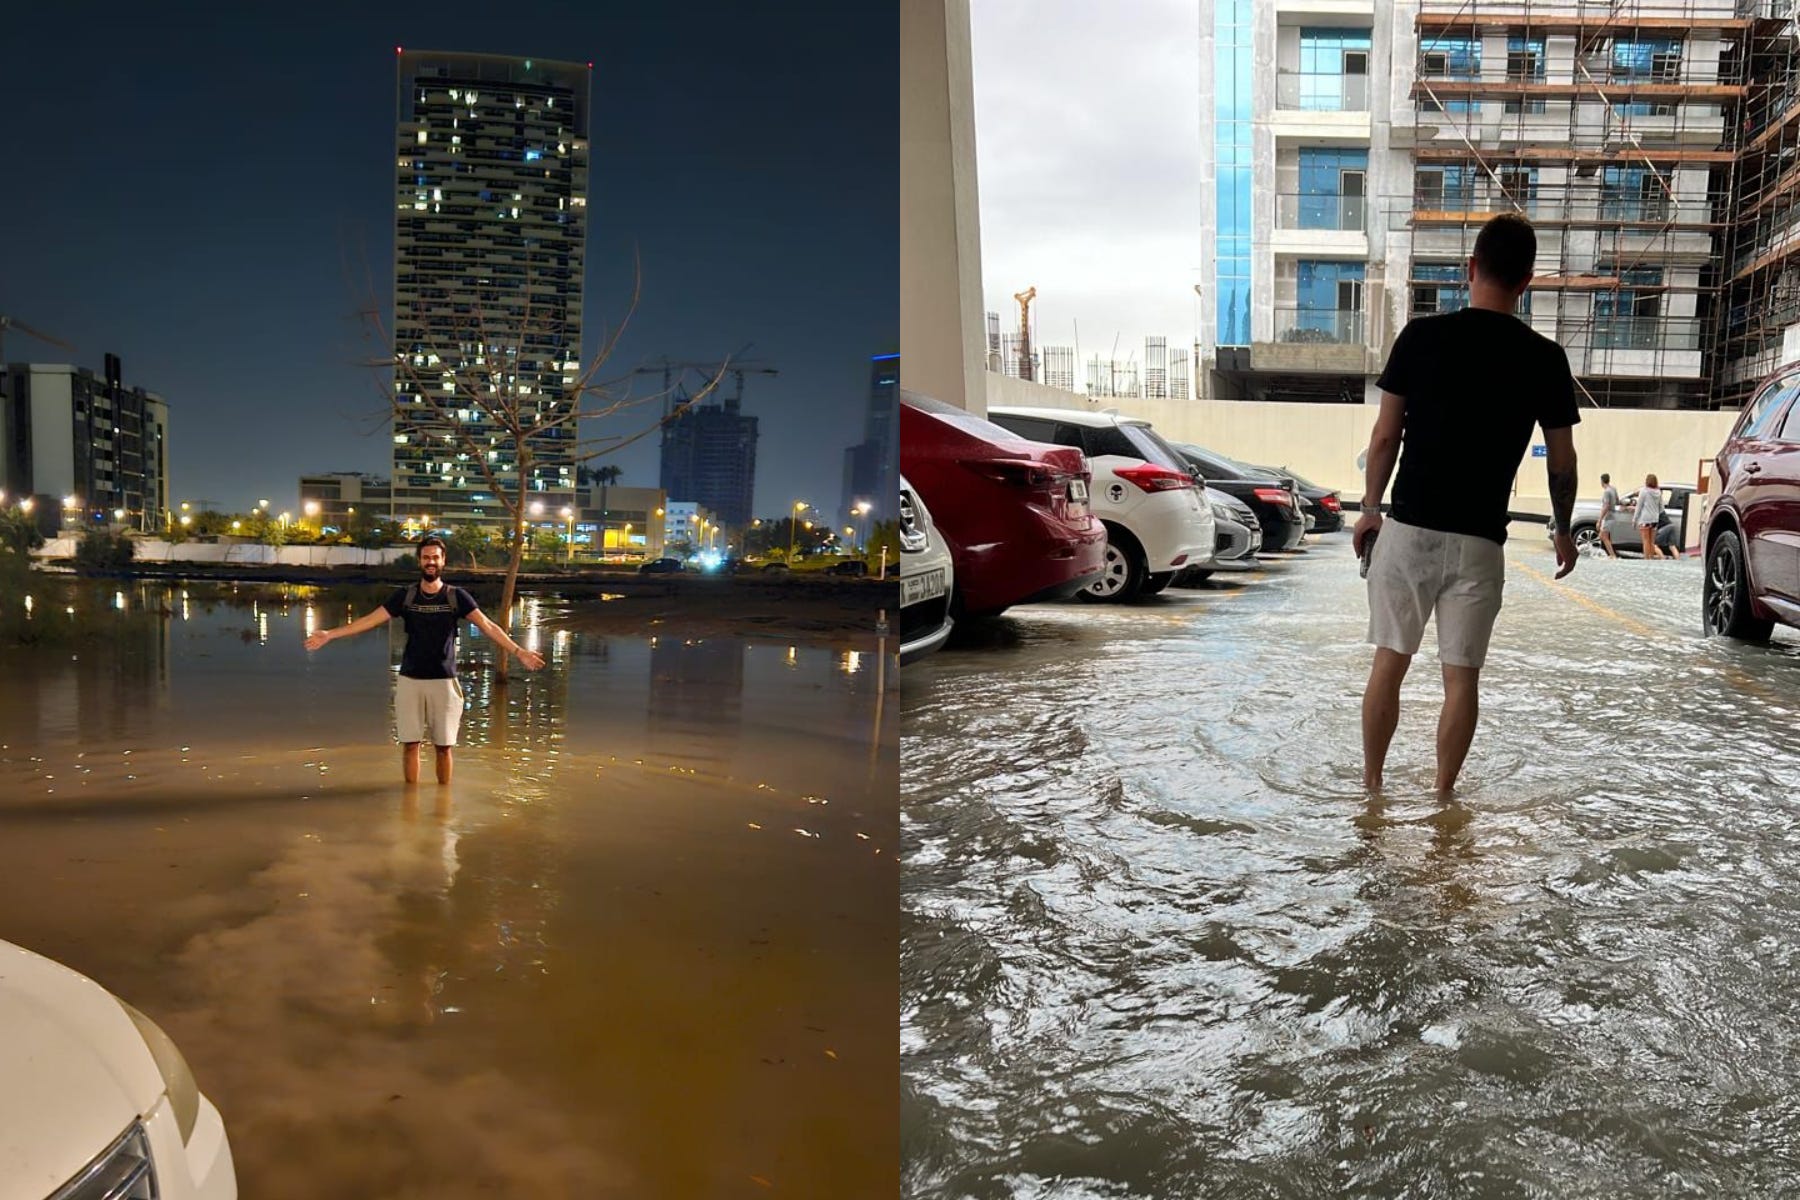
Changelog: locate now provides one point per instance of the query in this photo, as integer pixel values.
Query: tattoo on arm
(1563, 487)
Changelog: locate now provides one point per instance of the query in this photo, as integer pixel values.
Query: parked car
(1322, 504)
(95, 1100)
(854, 568)
(927, 579)
(1014, 512)
(1584, 523)
(1276, 502)
(1234, 543)
(662, 566)
(1752, 534)
(1143, 492)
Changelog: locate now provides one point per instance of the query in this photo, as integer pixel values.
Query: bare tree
(478, 385)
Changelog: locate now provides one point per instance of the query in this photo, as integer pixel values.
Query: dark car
(1275, 502)
(662, 566)
(1322, 504)
(855, 568)
(1013, 512)
(1752, 535)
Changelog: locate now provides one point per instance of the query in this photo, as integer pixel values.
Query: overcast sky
(1087, 137)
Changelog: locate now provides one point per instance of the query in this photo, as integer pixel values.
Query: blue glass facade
(1637, 59)
(1321, 184)
(1322, 69)
(1232, 27)
(1461, 60)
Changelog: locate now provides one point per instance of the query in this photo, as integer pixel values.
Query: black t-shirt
(1475, 382)
(431, 620)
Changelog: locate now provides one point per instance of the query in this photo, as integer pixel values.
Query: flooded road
(1156, 942)
(643, 945)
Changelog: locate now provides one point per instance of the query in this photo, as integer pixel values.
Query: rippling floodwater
(1156, 943)
(644, 945)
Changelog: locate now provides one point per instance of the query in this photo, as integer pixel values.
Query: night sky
(201, 191)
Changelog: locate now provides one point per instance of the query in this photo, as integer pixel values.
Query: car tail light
(1330, 503)
(1272, 495)
(1153, 478)
(1015, 472)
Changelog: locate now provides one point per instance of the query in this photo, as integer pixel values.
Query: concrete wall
(942, 341)
(1323, 441)
(154, 550)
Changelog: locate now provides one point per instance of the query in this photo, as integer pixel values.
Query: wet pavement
(1156, 942)
(643, 945)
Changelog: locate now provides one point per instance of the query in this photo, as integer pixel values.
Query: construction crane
(7, 323)
(738, 369)
(1025, 298)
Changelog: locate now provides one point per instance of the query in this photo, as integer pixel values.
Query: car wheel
(1122, 576)
(1726, 603)
(1156, 583)
(1587, 539)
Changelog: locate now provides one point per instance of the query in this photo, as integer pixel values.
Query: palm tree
(605, 476)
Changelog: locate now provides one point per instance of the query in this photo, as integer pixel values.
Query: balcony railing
(1317, 91)
(1330, 210)
(1323, 326)
(1666, 334)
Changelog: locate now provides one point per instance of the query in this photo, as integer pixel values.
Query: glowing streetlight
(236, 525)
(263, 504)
(186, 520)
(27, 504)
(569, 517)
(800, 506)
(184, 506)
(312, 508)
(118, 514)
(862, 514)
(537, 508)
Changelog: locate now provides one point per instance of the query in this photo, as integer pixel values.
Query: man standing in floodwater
(1461, 393)
(427, 699)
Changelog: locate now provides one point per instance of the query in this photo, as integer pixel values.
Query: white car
(927, 579)
(1157, 522)
(96, 1103)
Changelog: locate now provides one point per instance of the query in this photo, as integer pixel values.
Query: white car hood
(74, 1073)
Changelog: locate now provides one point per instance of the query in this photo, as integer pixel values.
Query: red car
(1753, 527)
(1015, 513)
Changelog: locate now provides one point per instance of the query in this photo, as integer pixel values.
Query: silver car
(1237, 535)
(1621, 524)
(927, 577)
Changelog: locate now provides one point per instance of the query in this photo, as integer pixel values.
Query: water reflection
(600, 962)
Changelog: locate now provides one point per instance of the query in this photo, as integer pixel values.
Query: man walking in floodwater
(1459, 397)
(428, 701)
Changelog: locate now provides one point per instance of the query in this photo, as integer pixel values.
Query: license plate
(1078, 491)
(915, 589)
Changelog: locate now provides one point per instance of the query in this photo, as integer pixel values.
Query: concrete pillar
(942, 339)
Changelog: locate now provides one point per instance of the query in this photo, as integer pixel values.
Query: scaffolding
(1618, 129)
(1761, 284)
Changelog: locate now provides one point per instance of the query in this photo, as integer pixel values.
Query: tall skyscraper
(871, 468)
(709, 456)
(490, 240)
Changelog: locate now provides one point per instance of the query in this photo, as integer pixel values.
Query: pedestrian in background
(1609, 504)
(1649, 515)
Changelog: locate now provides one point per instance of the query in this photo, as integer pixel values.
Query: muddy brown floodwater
(644, 945)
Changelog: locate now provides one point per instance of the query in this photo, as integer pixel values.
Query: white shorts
(427, 710)
(1415, 571)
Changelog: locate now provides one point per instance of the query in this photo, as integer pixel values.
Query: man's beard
(428, 571)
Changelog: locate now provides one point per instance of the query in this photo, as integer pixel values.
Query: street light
(27, 504)
(862, 512)
(569, 516)
(263, 504)
(186, 520)
(537, 508)
(800, 506)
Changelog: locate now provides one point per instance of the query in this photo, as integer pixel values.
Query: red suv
(1753, 526)
(1013, 512)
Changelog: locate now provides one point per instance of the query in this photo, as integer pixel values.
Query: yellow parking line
(1637, 627)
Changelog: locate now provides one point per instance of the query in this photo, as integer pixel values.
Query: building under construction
(1653, 144)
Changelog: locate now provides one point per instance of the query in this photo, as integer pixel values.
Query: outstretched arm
(1559, 461)
(531, 659)
(362, 624)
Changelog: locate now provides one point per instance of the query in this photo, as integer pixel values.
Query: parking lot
(1156, 940)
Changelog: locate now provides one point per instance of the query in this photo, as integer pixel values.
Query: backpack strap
(412, 596)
